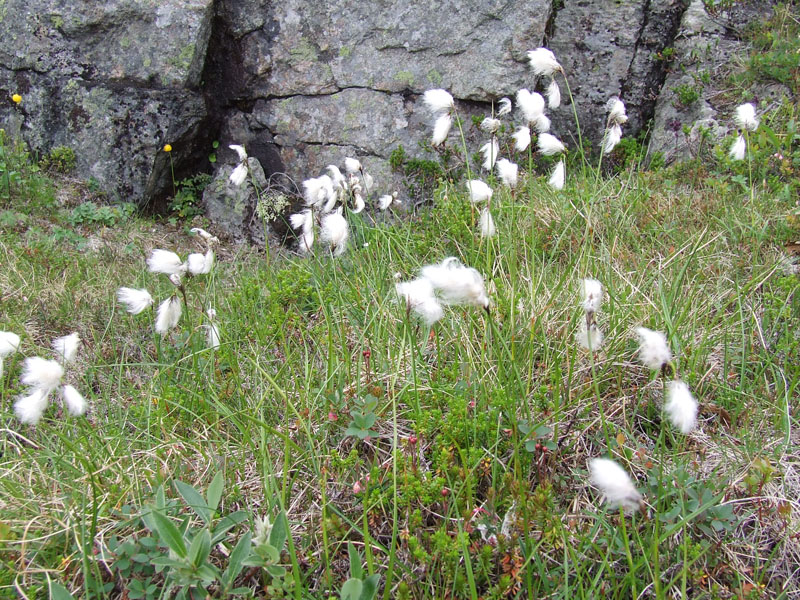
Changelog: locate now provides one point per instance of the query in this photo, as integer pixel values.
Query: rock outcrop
(303, 84)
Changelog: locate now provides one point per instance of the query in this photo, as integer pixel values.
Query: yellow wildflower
(16, 98)
(167, 148)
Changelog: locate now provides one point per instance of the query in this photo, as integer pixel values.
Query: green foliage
(422, 175)
(363, 417)
(61, 159)
(186, 202)
(687, 93)
(90, 214)
(358, 586)
(777, 49)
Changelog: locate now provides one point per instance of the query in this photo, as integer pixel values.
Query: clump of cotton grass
(43, 376)
(614, 483)
(420, 299)
(239, 173)
(212, 329)
(166, 262)
(508, 172)
(746, 120)
(654, 350)
(616, 118)
(681, 407)
(487, 226)
(479, 191)
(168, 315)
(335, 232)
(454, 283)
(66, 347)
(9, 344)
(532, 104)
(440, 102)
(589, 335)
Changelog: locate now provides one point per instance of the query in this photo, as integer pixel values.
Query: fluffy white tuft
(542, 124)
(614, 483)
(654, 351)
(358, 202)
(41, 374)
(681, 406)
(238, 175)
(745, 117)
(9, 343)
(200, 264)
(29, 409)
(616, 111)
(589, 338)
(240, 152)
(67, 346)
(318, 190)
(303, 220)
(335, 231)
(522, 139)
(212, 330)
(490, 150)
(441, 128)
(305, 242)
(352, 165)
(336, 176)
(204, 234)
(558, 176)
(487, 224)
(135, 301)
(591, 295)
(164, 261)
(438, 101)
(531, 104)
(504, 106)
(739, 148)
(490, 125)
(549, 144)
(420, 298)
(169, 313)
(612, 138)
(455, 283)
(543, 61)
(385, 201)
(479, 191)
(76, 404)
(507, 171)
(553, 94)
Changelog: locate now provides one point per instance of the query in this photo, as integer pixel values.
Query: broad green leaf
(169, 534)
(194, 500)
(199, 548)
(226, 523)
(59, 592)
(236, 560)
(370, 587)
(214, 493)
(277, 537)
(351, 590)
(166, 561)
(356, 570)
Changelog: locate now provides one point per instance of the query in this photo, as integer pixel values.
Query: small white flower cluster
(680, 405)
(448, 282)
(746, 120)
(9, 344)
(170, 264)
(326, 197)
(480, 192)
(43, 376)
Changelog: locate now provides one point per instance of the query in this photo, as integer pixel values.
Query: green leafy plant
(90, 213)
(363, 417)
(358, 587)
(61, 159)
(185, 204)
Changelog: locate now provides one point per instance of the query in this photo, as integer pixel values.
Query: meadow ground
(334, 446)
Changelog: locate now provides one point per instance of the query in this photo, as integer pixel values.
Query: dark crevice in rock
(646, 72)
(550, 27)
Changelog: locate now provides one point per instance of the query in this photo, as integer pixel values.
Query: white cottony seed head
(543, 61)
(738, 149)
(522, 139)
(558, 176)
(9, 343)
(490, 150)
(41, 374)
(441, 128)
(67, 346)
(438, 101)
(507, 171)
(488, 228)
(550, 144)
(614, 483)
(166, 262)
(455, 283)
(553, 94)
(76, 404)
(681, 406)
(654, 351)
(168, 315)
(479, 191)
(504, 106)
(591, 295)
(745, 117)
